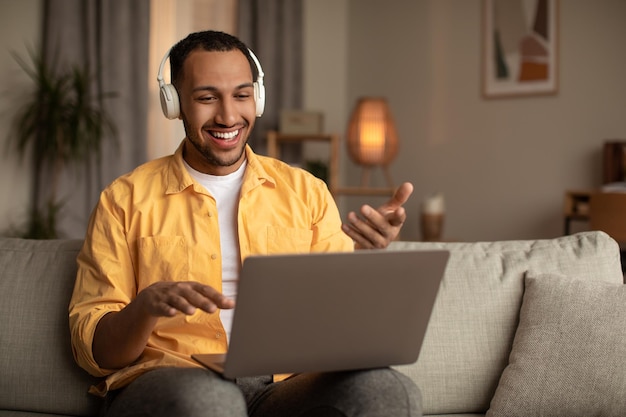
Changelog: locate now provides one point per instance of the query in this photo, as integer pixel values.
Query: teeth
(225, 135)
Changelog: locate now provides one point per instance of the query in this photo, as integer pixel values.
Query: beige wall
(502, 165)
(325, 63)
(19, 28)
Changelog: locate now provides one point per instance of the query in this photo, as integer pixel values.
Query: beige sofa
(519, 328)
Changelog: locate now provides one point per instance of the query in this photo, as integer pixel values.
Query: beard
(208, 154)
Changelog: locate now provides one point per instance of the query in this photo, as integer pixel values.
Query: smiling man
(157, 275)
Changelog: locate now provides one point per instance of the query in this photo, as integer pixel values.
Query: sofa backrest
(471, 330)
(37, 370)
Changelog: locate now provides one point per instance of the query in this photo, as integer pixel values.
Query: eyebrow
(213, 88)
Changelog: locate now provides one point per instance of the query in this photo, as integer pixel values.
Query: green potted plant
(61, 124)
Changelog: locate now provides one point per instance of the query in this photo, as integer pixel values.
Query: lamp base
(366, 174)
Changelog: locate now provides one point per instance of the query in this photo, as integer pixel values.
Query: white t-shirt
(226, 189)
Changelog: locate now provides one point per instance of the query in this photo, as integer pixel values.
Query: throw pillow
(569, 353)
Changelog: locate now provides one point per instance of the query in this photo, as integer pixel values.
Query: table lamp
(372, 139)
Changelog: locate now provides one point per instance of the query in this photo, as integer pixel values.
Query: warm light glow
(372, 136)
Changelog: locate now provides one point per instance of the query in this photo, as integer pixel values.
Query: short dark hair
(209, 40)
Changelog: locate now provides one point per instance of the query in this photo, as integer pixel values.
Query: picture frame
(520, 48)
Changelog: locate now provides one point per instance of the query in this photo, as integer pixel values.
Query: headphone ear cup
(259, 98)
(169, 101)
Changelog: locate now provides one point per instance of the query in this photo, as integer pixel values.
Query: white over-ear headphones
(170, 102)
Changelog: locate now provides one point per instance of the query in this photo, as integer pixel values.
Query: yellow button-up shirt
(158, 224)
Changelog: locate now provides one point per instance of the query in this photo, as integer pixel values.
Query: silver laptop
(330, 312)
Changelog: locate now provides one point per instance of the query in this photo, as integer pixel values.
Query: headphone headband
(170, 102)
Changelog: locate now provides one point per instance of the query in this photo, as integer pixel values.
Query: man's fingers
(216, 297)
(397, 217)
(180, 303)
(370, 232)
(360, 242)
(167, 298)
(162, 308)
(400, 196)
(206, 298)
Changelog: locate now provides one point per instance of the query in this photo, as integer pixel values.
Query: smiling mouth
(225, 135)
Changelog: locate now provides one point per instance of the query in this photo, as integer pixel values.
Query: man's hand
(121, 337)
(169, 298)
(375, 229)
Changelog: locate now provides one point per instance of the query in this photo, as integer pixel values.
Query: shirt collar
(178, 178)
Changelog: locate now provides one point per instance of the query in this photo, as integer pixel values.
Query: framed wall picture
(520, 47)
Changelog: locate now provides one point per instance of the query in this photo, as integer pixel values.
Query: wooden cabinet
(575, 207)
(614, 161)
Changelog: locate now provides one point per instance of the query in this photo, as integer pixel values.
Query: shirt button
(213, 256)
(210, 214)
(218, 335)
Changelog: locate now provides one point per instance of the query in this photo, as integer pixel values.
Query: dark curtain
(112, 38)
(273, 30)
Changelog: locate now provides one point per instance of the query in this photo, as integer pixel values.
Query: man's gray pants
(195, 392)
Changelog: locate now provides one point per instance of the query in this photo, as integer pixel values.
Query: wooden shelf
(364, 191)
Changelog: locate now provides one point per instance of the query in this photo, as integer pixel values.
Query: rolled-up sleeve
(102, 283)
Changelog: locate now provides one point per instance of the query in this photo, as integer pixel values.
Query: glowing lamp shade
(372, 138)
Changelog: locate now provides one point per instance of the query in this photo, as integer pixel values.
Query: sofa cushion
(472, 326)
(37, 370)
(569, 353)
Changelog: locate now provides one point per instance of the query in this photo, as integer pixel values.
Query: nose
(226, 113)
